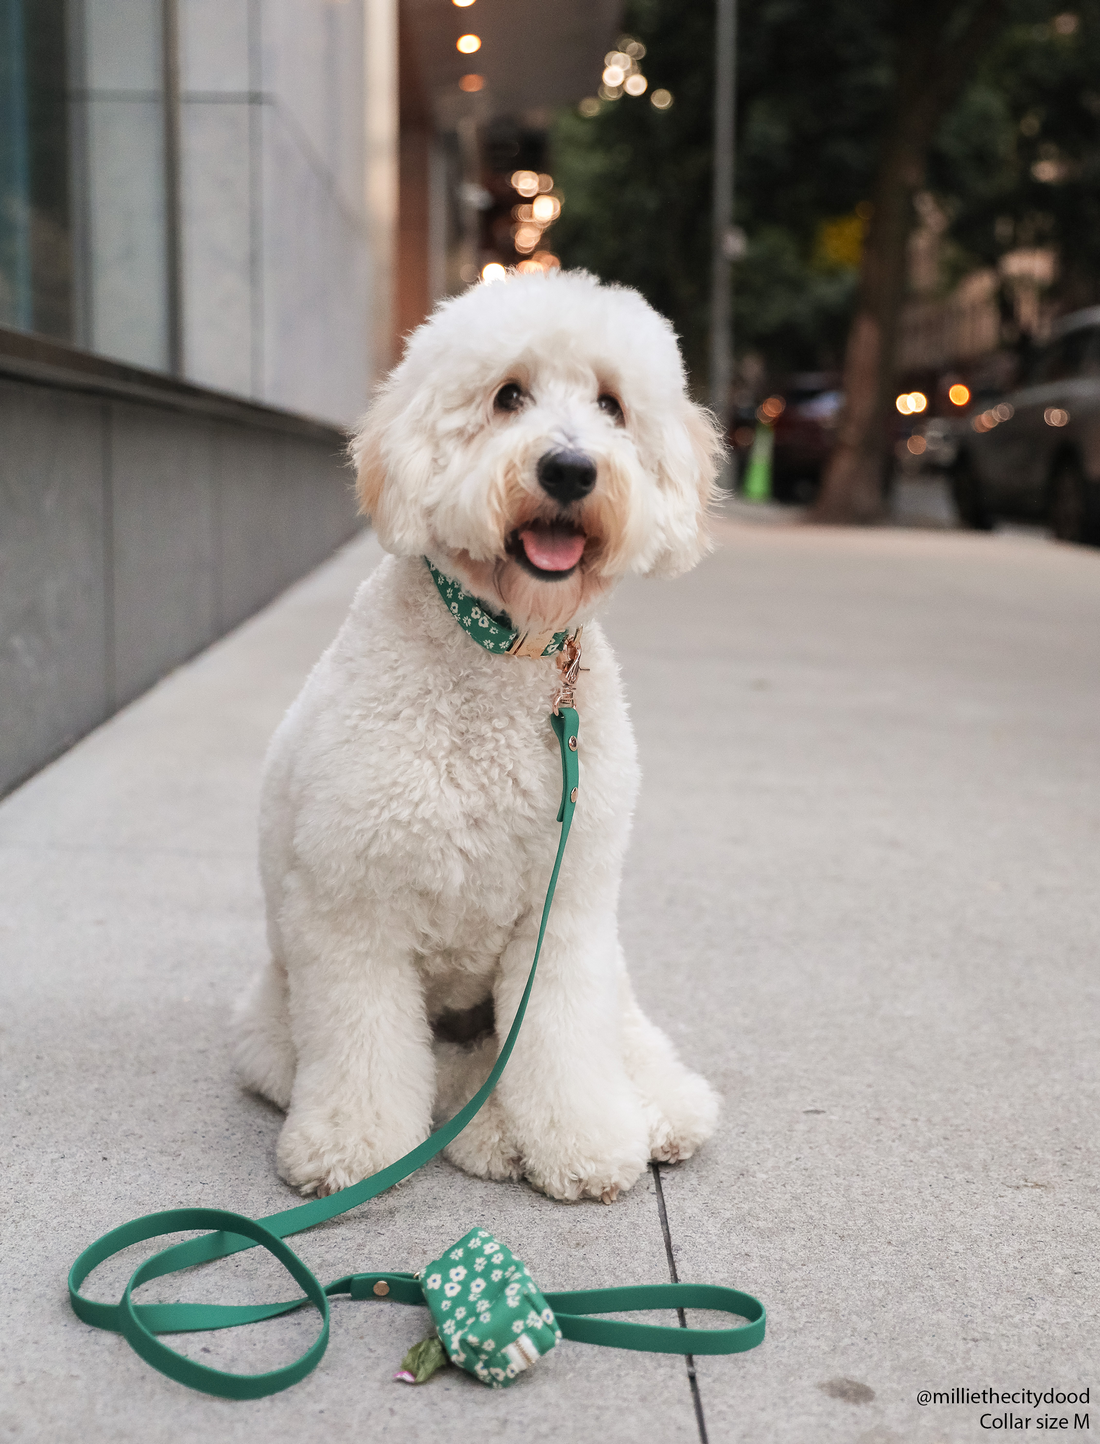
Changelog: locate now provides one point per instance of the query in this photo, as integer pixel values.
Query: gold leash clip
(569, 665)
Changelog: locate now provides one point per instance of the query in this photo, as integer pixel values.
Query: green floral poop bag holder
(489, 1316)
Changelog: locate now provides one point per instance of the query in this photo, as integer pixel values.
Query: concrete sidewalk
(862, 898)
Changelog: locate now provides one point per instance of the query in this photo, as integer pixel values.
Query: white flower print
(533, 1320)
(477, 1287)
(433, 1281)
(496, 1275)
(451, 1289)
(459, 1273)
(460, 1313)
(483, 1306)
(449, 1326)
(457, 1253)
(548, 1315)
(446, 1304)
(498, 1258)
(517, 1327)
(491, 1246)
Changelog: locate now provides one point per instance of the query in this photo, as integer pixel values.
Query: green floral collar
(493, 632)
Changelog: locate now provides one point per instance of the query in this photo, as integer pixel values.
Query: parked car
(1034, 453)
(803, 414)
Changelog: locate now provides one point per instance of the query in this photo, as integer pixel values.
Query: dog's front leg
(573, 1112)
(362, 1094)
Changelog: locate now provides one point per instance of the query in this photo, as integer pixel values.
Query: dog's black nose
(566, 475)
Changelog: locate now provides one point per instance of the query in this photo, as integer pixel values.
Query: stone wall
(140, 519)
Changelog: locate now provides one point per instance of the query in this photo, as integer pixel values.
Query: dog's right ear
(383, 481)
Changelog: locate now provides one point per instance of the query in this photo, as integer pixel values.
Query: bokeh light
(661, 99)
(468, 43)
(494, 271)
(916, 446)
(527, 236)
(635, 85)
(525, 181)
(771, 408)
(613, 75)
(911, 403)
(959, 394)
(589, 107)
(471, 83)
(541, 261)
(462, 4)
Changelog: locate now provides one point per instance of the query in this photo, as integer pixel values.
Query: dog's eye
(610, 407)
(509, 397)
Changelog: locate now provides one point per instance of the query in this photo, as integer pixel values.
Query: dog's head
(537, 443)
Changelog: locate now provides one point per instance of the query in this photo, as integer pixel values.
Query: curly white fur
(407, 828)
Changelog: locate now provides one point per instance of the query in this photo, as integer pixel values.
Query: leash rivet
(572, 744)
(381, 1288)
(573, 795)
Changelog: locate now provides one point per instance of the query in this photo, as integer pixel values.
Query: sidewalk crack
(689, 1359)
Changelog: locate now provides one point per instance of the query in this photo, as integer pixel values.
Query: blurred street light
(911, 403)
(468, 43)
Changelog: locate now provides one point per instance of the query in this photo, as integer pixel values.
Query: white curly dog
(535, 444)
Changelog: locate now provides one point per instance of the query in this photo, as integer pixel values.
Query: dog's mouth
(548, 549)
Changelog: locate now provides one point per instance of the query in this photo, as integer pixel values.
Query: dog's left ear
(690, 453)
(386, 479)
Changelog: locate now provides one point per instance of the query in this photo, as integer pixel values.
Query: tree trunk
(938, 47)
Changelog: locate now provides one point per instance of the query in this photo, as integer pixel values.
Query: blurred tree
(812, 85)
(938, 46)
(836, 98)
(1017, 162)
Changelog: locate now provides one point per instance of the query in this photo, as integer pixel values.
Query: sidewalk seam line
(689, 1359)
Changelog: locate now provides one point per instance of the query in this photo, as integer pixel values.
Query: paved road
(862, 897)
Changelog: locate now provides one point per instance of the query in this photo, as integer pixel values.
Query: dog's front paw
(320, 1155)
(682, 1118)
(485, 1147)
(588, 1165)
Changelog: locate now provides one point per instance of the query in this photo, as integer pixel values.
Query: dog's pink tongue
(552, 549)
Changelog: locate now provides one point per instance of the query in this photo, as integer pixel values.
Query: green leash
(230, 1233)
